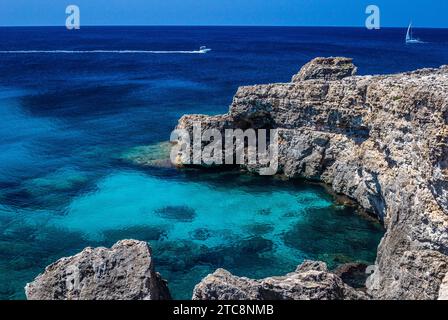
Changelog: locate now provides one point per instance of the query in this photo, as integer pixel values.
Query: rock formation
(124, 272)
(380, 140)
(326, 69)
(311, 281)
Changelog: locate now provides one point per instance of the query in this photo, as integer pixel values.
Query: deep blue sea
(69, 120)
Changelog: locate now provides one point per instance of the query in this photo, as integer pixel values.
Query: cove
(195, 222)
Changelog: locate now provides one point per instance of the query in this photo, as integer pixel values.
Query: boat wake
(415, 41)
(200, 51)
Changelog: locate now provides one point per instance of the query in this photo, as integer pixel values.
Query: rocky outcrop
(311, 281)
(124, 272)
(380, 140)
(327, 69)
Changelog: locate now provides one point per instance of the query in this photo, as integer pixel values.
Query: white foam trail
(101, 51)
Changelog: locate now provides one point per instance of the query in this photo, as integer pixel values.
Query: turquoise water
(67, 119)
(195, 222)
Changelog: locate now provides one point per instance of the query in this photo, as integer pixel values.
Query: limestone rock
(380, 140)
(443, 291)
(310, 281)
(418, 275)
(354, 274)
(124, 272)
(326, 69)
(309, 265)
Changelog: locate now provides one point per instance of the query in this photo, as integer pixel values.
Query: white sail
(408, 34)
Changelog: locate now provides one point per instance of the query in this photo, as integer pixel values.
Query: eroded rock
(327, 69)
(311, 281)
(123, 272)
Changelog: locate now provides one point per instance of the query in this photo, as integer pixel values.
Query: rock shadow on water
(179, 213)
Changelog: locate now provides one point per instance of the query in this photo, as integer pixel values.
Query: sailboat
(409, 38)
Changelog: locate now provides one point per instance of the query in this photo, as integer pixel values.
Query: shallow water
(195, 221)
(68, 119)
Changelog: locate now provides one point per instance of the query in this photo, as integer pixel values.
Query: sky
(394, 13)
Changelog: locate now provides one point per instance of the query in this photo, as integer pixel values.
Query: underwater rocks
(154, 155)
(311, 281)
(179, 213)
(124, 272)
(260, 228)
(380, 140)
(143, 233)
(181, 256)
(328, 240)
(200, 234)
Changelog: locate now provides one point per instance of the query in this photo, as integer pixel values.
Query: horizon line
(218, 25)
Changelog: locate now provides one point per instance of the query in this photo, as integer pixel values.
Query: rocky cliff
(124, 272)
(311, 281)
(380, 140)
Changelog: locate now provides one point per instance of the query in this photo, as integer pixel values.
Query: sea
(77, 106)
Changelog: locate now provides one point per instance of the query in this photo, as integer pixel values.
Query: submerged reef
(154, 155)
